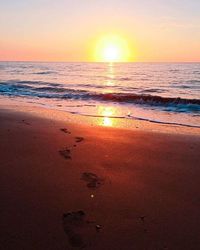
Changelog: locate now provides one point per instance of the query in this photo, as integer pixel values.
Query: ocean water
(166, 93)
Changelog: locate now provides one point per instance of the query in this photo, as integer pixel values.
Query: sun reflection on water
(108, 114)
(110, 82)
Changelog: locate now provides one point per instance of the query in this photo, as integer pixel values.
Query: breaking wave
(59, 91)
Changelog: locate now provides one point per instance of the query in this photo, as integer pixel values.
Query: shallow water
(157, 92)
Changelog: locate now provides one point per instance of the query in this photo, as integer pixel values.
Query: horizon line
(43, 61)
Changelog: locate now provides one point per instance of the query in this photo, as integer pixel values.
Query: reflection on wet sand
(107, 122)
(106, 113)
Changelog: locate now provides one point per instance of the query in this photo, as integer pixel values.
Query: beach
(66, 185)
(100, 125)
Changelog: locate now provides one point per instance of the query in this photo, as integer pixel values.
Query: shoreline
(97, 121)
(66, 185)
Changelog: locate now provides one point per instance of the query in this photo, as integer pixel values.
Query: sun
(112, 48)
(111, 53)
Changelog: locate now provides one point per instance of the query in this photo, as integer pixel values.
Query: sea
(167, 93)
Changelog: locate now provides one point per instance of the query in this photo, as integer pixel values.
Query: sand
(68, 186)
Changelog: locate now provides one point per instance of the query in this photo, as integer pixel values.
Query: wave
(59, 91)
(193, 82)
(151, 99)
(153, 90)
(44, 73)
(125, 78)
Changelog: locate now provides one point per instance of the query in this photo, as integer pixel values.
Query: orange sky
(45, 30)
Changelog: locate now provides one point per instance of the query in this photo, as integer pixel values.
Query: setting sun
(112, 48)
(111, 53)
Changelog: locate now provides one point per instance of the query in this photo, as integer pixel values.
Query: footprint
(93, 181)
(142, 218)
(80, 232)
(66, 153)
(79, 139)
(25, 122)
(65, 130)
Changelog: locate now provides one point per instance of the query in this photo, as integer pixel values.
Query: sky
(69, 30)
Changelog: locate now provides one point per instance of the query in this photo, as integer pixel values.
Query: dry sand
(65, 186)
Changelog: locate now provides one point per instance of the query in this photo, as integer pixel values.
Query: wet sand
(67, 186)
